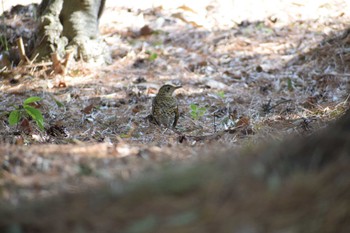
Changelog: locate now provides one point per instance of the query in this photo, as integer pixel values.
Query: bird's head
(167, 90)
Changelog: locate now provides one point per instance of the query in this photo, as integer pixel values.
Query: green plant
(3, 42)
(25, 110)
(290, 84)
(197, 112)
(152, 56)
(58, 103)
(221, 94)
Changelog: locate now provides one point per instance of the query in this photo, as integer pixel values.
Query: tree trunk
(71, 25)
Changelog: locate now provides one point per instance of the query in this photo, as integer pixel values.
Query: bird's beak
(178, 87)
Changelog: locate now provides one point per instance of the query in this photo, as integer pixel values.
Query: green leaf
(153, 56)
(124, 135)
(221, 94)
(193, 107)
(14, 117)
(58, 103)
(4, 43)
(197, 112)
(31, 100)
(290, 84)
(36, 115)
(33, 112)
(201, 111)
(40, 124)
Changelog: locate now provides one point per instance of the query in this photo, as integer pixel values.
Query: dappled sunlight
(222, 14)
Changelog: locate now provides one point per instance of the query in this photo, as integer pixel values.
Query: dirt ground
(250, 75)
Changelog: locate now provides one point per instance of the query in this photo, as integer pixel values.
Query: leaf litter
(243, 82)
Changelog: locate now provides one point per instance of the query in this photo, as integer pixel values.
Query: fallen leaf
(19, 140)
(182, 18)
(25, 126)
(146, 31)
(243, 121)
(137, 109)
(88, 109)
(151, 91)
(186, 8)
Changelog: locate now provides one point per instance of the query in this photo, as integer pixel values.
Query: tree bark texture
(71, 25)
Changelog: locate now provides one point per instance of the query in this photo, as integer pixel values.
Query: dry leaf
(146, 31)
(25, 126)
(151, 91)
(19, 140)
(243, 121)
(186, 8)
(88, 109)
(182, 18)
(137, 109)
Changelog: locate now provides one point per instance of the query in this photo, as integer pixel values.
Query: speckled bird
(165, 110)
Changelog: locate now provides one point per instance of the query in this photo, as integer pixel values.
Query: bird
(165, 111)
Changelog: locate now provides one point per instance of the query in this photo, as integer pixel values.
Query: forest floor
(247, 76)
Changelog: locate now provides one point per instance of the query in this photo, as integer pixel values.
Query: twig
(267, 107)
(60, 67)
(57, 66)
(21, 51)
(332, 74)
(67, 60)
(38, 64)
(35, 57)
